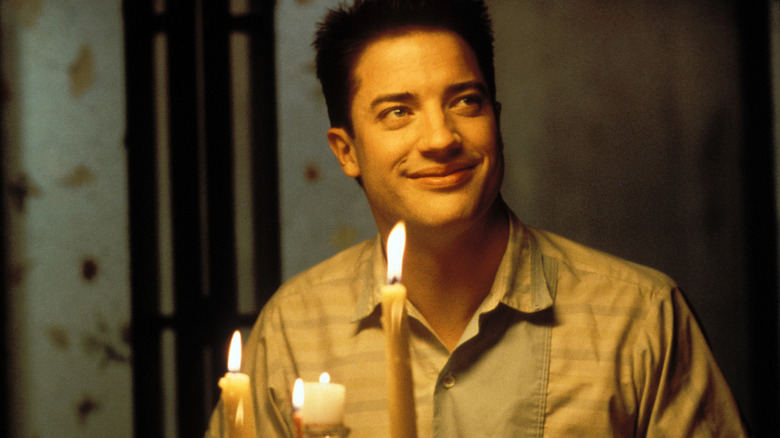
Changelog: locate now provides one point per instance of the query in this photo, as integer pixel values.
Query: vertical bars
(265, 178)
(194, 156)
(188, 211)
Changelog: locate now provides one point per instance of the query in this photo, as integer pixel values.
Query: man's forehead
(403, 45)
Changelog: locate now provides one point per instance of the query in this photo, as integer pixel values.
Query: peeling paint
(58, 337)
(80, 176)
(17, 271)
(312, 172)
(19, 189)
(104, 345)
(82, 72)
(89, 269)
(28, 11)
(85, 407)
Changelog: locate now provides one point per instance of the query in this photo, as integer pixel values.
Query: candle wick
(394, 280)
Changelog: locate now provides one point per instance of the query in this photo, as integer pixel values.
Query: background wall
(65, 194)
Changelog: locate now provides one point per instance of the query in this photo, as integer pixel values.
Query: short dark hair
(346, 31)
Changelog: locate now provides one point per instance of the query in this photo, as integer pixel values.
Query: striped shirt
(569, 342)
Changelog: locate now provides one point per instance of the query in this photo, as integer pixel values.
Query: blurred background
(164, 168)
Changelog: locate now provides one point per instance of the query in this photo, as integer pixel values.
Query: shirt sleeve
(681, 390)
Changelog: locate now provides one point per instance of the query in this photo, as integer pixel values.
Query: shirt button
(448, 381)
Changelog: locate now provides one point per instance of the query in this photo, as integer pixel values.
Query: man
(514, 331)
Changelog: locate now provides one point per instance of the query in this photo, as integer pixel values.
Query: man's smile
(445, 175)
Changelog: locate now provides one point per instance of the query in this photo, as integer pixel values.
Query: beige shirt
(570, 342)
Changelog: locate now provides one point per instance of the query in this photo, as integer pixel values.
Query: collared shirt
(569, 342)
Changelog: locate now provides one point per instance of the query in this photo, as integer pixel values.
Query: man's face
(425, 139)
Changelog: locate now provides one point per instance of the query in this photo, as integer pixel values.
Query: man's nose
(441, 136)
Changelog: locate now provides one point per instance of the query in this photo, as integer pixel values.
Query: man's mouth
(444, 176)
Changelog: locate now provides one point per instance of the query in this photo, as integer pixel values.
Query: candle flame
(324, 378)
(297, 398)
(234, 356)
(395, 252)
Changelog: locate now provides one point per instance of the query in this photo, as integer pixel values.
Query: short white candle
(239, 415)
(323, 403)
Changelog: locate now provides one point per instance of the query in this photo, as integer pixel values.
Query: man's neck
(448, 277)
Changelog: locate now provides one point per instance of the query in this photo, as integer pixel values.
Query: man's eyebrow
(468, 85)
(392, 97)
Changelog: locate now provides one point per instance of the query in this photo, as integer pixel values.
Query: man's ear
(342, 145)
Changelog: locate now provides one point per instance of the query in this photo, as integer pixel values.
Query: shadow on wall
(626, 128)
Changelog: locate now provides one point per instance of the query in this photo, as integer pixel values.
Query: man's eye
(470, 105)
(395, 117)
(469, 101)
(397, 112)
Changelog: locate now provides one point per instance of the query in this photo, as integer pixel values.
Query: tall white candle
(400, 387)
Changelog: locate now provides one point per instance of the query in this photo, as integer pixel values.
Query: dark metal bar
(264, 147)
(188, 212)
(142, 186)
(219, 160)
(223, 293)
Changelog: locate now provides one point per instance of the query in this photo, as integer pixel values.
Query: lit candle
(400, 389)
(323, 403)
(297, 401)
(238, 409)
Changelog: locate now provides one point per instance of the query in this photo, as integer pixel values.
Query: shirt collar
(520, 280)
(370, 296)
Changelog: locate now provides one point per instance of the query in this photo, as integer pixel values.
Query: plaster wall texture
(64, 160)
